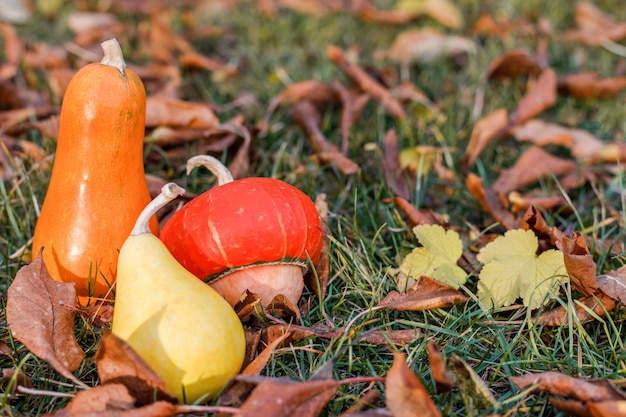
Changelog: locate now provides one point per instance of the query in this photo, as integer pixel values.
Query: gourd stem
(113, 56)
(212, 164)
(168, 193)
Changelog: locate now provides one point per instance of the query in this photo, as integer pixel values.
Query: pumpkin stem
(113, 56)
(168, 193)
(212, 164)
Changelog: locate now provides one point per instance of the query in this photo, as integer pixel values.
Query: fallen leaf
(427, 46)
(38, 317)
(513, 64)
(307, 116)
(583, 145)
(423, 295)
(490, 201)
(613, 284)
(511, 269)
(443, 380)
(579, 264)
(607, 408)
(12, 379)
(599, 304)
(474, 391)
(555, 383)
(392, 171)
(540, 97)
(390, 337)
(405, 394)
(587, 86)
(443, 11)
(438, 256)
(417, 216)
(284, 398)
(162, 111)
(550, 237)
(485, 130)
(534, 164)
(365, 82)
(519, 202)
(594, 27)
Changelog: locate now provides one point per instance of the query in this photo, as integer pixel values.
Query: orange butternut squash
(82, 223)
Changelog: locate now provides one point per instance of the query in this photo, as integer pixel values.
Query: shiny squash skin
(98, 186)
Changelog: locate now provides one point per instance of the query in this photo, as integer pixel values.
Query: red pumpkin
(256, 234)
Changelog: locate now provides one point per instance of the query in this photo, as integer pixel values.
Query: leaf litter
(181, 122)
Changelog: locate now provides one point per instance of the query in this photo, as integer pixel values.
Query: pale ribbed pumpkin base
(267, 281)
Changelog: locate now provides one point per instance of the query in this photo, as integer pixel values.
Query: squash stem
(113, 56)
(212, 164)
(168, 193)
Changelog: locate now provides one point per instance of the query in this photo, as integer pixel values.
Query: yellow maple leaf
(437, 257)
(511, 269)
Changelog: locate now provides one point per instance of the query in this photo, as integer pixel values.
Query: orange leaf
(406, 396)
(423, 295)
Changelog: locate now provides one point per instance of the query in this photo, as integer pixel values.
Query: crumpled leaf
(594, 27)
(163, 111)
(424, 294)
(38, 316)
(438, 256)
(406, 395)
(512, 270)
(490, 201)
(474, 392)
(117, 362)
(579, 264)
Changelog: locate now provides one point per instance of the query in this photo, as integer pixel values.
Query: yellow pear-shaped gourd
(184, 330)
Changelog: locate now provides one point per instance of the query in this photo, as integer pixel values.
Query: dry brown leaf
(485, 131)
(162, 111)
(613, 284)
(307, 116)
(540, 97)
(14, 378)
(38, 316)
(405, 394)
(534, 164)
(587, 86)
(285, 398)
(519, 202)
(599, 304)
(513, 64)
(549, 237)
(607, 409)
(425, 294)
(594, 27)
(195, 60)
(561, 385)
(582, 144)
(365, 82)
(489, 201)
(117, 362)
(394, 176)
(440, 374)
(317, 280)
(259, 363)
(417, 216)
(390, 337)
(579, 264)
(427, 46)
(100, 315)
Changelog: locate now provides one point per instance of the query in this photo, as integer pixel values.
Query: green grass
(367, 233)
